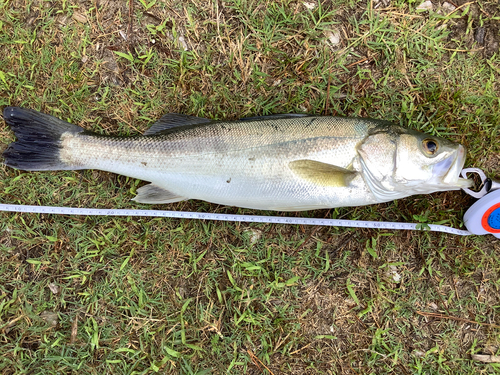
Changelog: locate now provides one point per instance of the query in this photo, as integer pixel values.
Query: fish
(290, 162)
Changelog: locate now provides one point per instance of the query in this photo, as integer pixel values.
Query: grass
(134, 295)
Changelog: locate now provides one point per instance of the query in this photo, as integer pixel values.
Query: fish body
(280, 162)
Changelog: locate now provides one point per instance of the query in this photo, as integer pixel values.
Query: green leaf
(351, 291)
(292, 281)
(194, 347)
(367, 310)
(319, 337)
(219, 294)
(183, 329)
(34, 261)
(154, 367)
(371, 251)
(230, 276)
(173, 352)
(127, 259)
(127, 350)
(18, 177)
(184, 307)
(127, 56)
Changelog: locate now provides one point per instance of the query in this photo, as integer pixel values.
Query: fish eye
(430, 146)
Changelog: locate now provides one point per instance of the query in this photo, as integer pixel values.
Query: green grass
(98, 295)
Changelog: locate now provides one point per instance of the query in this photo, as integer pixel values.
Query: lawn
(130, 295)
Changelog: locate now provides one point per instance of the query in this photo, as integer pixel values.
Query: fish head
(399, 162)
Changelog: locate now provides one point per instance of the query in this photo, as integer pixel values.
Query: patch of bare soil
(485, 33)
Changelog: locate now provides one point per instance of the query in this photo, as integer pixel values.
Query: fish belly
(256, 183)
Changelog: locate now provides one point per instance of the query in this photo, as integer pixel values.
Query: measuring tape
(483, 217)
(232, 218)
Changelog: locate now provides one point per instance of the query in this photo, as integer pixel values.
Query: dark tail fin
(38, 140)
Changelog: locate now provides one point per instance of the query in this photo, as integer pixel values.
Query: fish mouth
(449, 169)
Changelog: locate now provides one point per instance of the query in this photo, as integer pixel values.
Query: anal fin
(152, 194)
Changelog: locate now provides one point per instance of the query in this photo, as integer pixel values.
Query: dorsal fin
(275, 117)
(173, 120)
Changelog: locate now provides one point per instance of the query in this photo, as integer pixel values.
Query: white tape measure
(482, 218)
(230, 217)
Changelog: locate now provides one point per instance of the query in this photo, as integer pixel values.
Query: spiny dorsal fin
(275, 117)
(173, 120)
(153, 194)
(321, 173)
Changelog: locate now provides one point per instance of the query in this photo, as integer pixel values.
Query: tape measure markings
(228, 217)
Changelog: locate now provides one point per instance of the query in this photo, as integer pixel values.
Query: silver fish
(279, 162)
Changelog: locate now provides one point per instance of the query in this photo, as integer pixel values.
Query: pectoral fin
(321, 173)
(153, 194)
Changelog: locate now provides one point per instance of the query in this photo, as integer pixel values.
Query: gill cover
(377, 158)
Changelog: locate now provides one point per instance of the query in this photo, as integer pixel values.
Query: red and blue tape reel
(483, 217)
